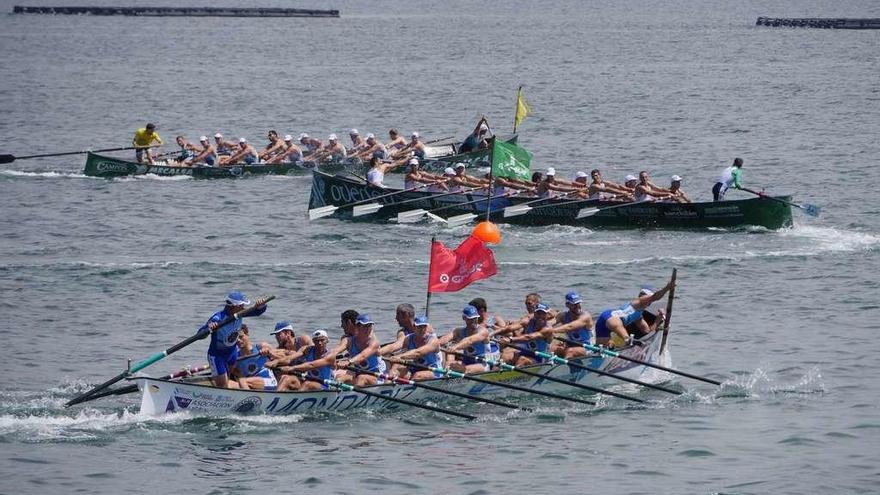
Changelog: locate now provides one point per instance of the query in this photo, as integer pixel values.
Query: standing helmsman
(143, 139)
(730, 177)
(223, 350)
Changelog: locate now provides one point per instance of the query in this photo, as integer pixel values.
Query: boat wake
(760, 384)
(46, 175)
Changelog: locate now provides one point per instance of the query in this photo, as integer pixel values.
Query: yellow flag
(522, 109)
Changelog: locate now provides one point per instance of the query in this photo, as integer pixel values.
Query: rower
(451, 184)
(405, 314)
(677, 194)
(142, 140)
(476, 140)
(363, 352)
(187, 149)
(536, 337)
(251, 366)
(492, 322)
(207, 156)
(223, 352)
(415, 176)
(318, 362)
(646, 191)
(395, 141)
(376, 174)
(615, 321)
(334, 150)
(415, 148)
(348, 323)
(514, 326)
(291, 153)
(467, 181)
(290, 346)
(549, 185)
(310, 144)
(603, 190)
(246, 154)
(357, 142)
(471, 339)
(577, 324)
(422, 347)
(372, 149)
(730, 177)
(275, 146)
(223, 147)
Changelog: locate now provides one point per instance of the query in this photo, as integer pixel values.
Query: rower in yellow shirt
(143, 139)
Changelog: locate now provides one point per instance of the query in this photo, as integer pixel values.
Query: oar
(810, 209)
(370, 208)
(415, 215)
(405, 381)
(668, 311)
(133, 387)
(588, 212)
(523, 208)
(199, 335)
(610, 353)
(12, 158)
(349, 388)
(467, 217)
(508, 367)
(456, 220)
(559, 360)
(448, 138)
(456, 374)
(325, 211)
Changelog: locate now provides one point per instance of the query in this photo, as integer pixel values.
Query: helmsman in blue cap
(577, 324)
(536, 335)
(615, 321)
(223, 350)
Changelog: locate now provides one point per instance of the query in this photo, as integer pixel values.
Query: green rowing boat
(106, 166)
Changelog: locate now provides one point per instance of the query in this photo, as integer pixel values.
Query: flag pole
(430, 256)
(491, 178)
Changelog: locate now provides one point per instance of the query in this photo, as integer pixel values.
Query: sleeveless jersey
(477, 349)
(253, 365)
(627, 313)
(374, 362)
(434, 359)
(581, 335)
(324, 372)
(537, 345)
(375, 177)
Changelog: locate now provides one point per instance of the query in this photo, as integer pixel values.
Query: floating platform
(820, 22)
(178, 11)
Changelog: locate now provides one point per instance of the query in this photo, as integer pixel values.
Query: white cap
(413, 161)
(550, 171)
(630, 178)
(242, 141)
(332, 137)
(676, 178)
(288, 137)
(459, 165)
(449, 171)
(218, 135)
(484, 127)
(203, 138)
(303, 136)
(353, 132)
(414, 134)
(371, 136)
(581, 175)
(319, 334)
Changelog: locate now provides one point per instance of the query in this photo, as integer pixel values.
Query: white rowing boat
(164, 396)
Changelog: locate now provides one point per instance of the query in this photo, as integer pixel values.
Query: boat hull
(337, 190)
(163, 396)
(109, 167)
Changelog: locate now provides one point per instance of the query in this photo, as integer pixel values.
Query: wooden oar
(451, 221)
(559, 360)
(199, 335)
(370, 208)
(325, 211)
(12, 158)
(610, 353)
(448, 138)
(588, 212)
(415, 215)
(810, 209)
(128, 389)
(668, 311)
(456, 374)
(405, 381)
(349, 388)
(507, 367)
(523, 208)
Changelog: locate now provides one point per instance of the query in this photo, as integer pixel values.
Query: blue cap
(421, 320)
(364, 319)
(542, 307)
(647, 290)
(282, 326)
(470, 312)
(573, 298)
(237, 298)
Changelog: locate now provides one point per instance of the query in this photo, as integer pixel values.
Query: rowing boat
(164, 396)
(342, 189)
(106, 166)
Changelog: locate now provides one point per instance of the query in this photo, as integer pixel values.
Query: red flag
(454, 270)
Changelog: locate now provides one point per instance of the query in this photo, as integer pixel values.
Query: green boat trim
(109, 167)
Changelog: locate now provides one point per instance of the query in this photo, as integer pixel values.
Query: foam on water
(46, 175)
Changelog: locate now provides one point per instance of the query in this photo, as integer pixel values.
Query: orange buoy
(487, 232)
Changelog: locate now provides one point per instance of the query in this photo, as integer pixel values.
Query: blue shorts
(221, 362)
(602, 330)
(250, 159)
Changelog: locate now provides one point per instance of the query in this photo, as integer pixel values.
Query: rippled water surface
(93, 272)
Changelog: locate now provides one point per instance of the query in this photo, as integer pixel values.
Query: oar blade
(7, 158)
(587, 212)
(435, 218)
(515, 211)
(366, 209)
(811, 210)
(411, 216)
(460, 219)
(323, 211)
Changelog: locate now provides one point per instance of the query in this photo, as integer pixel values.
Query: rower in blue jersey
(250, 368)
(222, 146)
(422, 347)
(615, 321)
(363, 352)
(223, 350)
(576, 324)
(207, 156)
(319, 362)
(406, 318)
(291, 351)
(492, 323)
(537, 336)
(471, 339)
